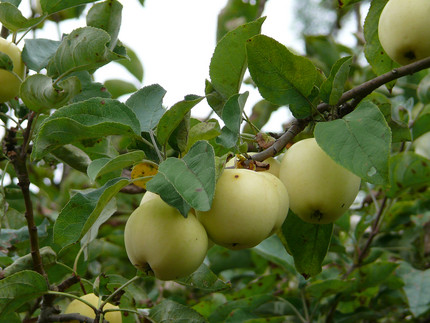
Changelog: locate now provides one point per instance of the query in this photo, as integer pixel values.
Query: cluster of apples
(248, 207)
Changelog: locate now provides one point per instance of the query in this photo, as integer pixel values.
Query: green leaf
(260, 115)
(40, 95)
(83, 210)
(333, 88)
(325, 288)
(273, 250)
(51, 6)
(189, 181)
(232, 117)
(119, 87)
(421, 126)
(90, 89)
(373, 50)
(106, 165)
(308, 243)
(147, 104)
(203, 278)
(408, 170)
(173, 117)
(37, 52)
(72, 156)
(250, 304)
(203, 131)
(106, 15)
(417, 284)
(236, 12)
(48, 256)
(133, 64)
(92, 119)
(179, 138)
(281, 77)
(12, 18)
(229, 62)
(360, 142)
(18, 289)
(423, 90)
(325, 51)
(170, 311)
(83, 49)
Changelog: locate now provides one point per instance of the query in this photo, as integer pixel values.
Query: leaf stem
(118, 290)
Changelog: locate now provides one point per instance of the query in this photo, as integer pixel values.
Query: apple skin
(244, 210)
(148, 196)
(158, 238)
(404, 30)
(284, 200)
(10, 84)
(320, 190)
(76, 306)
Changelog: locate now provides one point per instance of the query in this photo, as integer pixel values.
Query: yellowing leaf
(143, 169)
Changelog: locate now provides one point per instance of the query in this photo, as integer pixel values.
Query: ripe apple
(320, 190)
(284, 200)
(148, 196)
(81, 308)
(245, 209)
(159, 239)
(404, 30)
(10, 83)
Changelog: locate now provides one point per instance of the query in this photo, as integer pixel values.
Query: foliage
(70, 144)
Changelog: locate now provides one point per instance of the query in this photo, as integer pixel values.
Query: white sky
(175, 41)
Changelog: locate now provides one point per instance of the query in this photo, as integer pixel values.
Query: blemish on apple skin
(236, 176)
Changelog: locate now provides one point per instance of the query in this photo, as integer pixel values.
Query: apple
(10, 82)
(284, 200)
(148, 196)
(404, 30)
(79, 307)
(245, 209)
(159, 239)
(320, 190)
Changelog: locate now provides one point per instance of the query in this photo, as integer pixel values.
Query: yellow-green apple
(404, 30)
(159, 239)
(79, 307)
(244, 211)
(320, 189)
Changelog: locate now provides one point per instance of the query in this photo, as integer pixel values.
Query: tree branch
(355, 95)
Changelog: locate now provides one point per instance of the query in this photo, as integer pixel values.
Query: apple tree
(81, 157)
